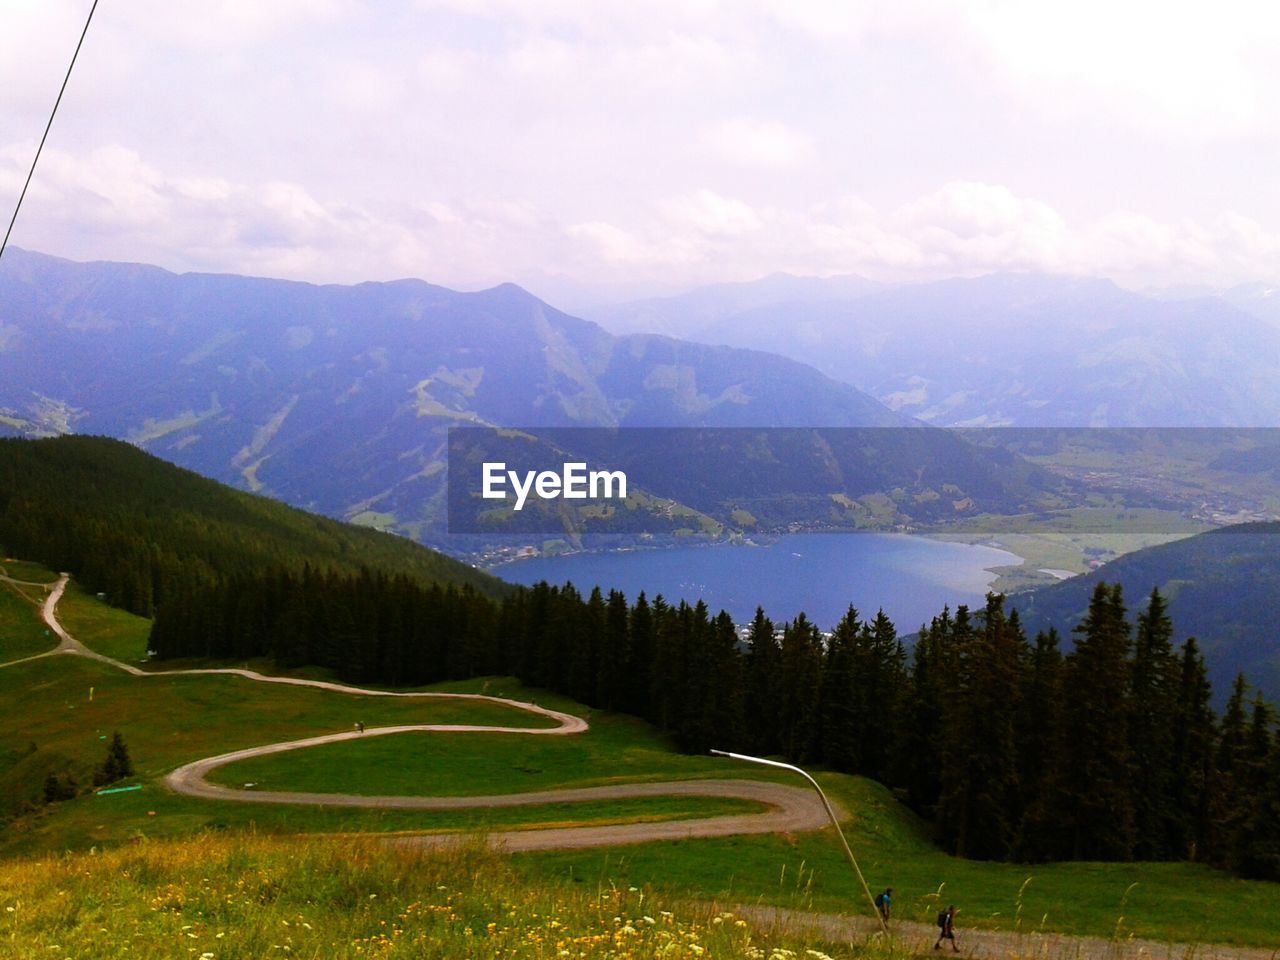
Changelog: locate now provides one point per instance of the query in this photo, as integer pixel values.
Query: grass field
(616, 749)
(169, 720)
(1178, 901)
(103, 629)
(24, 570)
(343, 899)
(22, 632)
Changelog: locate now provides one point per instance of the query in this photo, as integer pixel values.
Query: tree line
(1013, 747)
(142, 531)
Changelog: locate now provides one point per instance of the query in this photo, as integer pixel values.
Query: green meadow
(171, 720)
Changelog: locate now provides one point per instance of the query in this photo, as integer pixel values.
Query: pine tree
(878, 690)
(977, 807)
(1153, 693)
(1193, 740)
(117, 765)
(800, 670)
(638, 681)
(1254, 849)
(760, 682)
(1041, 746)
(1229, 803)
(1096, 803)
(919, 753)
(842, 725)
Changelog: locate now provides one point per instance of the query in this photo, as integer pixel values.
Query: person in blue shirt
(884, 903)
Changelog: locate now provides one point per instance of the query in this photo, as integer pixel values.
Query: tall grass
(222, 898)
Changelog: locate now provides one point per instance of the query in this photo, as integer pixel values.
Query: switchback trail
(790, 809)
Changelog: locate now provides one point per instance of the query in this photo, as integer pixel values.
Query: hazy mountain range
(1006, 349)
(336, 398)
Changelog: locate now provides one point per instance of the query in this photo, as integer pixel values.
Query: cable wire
(53, 113)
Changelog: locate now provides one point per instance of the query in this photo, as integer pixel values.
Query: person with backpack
(884, 902)
(947, 928)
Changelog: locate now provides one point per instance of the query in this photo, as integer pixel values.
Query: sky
(600, 149)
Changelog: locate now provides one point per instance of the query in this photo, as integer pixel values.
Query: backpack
(942, 920)
(880, 900)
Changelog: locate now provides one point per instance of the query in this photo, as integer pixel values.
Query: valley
(206, 713)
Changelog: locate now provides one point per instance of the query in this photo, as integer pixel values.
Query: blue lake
(820, 574)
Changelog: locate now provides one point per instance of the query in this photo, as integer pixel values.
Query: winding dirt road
(790, 809)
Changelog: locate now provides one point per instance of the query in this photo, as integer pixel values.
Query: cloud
(711, 215)
(672, 142)
(1195, 69)
(766, 144)
(115, 203)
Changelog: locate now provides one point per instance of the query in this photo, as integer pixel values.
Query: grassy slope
(108, 630)
(22, 633)
(339, 899)
(24, 570)
(200, 716)
(1164, 901)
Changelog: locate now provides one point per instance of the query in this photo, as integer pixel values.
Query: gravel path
(791, 809)
(920, 938)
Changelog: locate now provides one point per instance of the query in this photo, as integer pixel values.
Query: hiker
(884, 902)
(947, 928)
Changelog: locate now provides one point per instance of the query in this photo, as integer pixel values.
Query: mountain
(697, 311)
(142, 530)
(1262, 300)
(1223, 588)
(1030, 350)
(337, 398)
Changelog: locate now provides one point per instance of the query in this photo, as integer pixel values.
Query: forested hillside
(1223, 587)
(143, 531)
(1015, 750)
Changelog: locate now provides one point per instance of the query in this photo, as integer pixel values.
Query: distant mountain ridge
(336, 398)
(1020, 349)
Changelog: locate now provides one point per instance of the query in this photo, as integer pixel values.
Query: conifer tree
(1255, 843)
(800, 669)
(919, 755)
(1153, 692)
(1193, 754)
(1041, 747)
(117, 764)
(1097, 803)
(640, 630)
(843, 723)
(976, 809)
(1229, 804)
(761, 673)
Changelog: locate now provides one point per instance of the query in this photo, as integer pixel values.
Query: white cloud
(711, 215)
(760, 143)
(1196, 68)
(672, 142)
